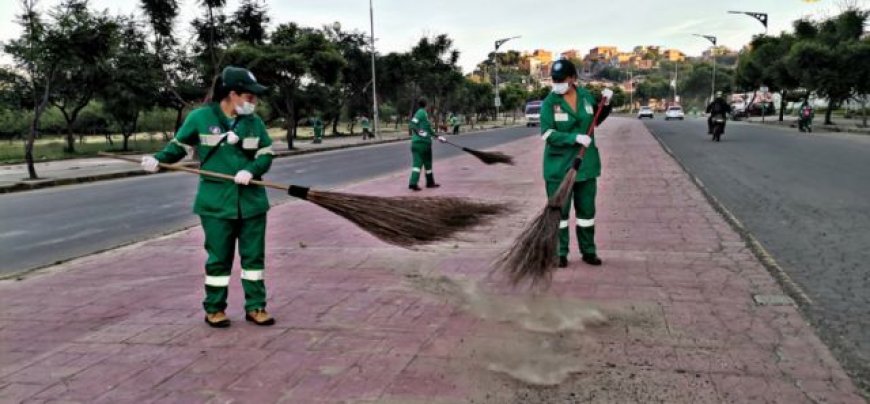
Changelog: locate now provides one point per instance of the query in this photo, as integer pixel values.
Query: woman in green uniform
(230, 139)
(421, 147)
(566, 114)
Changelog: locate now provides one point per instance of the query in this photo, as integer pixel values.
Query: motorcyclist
(718, 107)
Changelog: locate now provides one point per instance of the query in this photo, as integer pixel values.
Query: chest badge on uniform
(215, 130)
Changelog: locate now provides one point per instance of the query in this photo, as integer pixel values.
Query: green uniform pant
(583, 196)
(220, 242)
(421, 155)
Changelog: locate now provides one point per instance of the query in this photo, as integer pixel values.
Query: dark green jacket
(560, 126)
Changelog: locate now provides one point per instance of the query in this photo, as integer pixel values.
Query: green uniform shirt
(560, 126)
(365, 123)
(318, 127)
(421, 129)
(203, 129)
(454, 121)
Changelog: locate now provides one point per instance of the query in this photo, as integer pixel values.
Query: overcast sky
(553, 25)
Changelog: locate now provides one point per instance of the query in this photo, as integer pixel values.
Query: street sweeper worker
(421, 147)
(566, 114)
(317, 125)
(231, 139)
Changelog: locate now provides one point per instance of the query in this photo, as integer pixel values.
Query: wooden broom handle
(206, 173)
(591, 130)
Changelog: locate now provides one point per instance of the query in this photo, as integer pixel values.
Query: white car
(674, 113)
(645, 112)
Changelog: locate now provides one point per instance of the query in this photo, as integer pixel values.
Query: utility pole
(761, 17)
(498, 44)
(375, 117)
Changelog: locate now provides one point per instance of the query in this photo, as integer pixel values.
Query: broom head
(404, 221)
(490, 158)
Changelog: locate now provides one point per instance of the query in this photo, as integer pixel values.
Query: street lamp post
(761, 17)
(712, 39)
(374, 78)
(498, 44)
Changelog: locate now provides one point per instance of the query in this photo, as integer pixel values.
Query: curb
(826, 128)
(50, 183)
(791, 288)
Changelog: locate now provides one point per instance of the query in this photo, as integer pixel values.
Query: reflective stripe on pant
(583, 196)
(421, 156)
(220, 241)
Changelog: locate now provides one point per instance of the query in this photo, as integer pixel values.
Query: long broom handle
(591, 130)
(206, 173)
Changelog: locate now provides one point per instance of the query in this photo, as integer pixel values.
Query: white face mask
(561, 88)
(246, 108)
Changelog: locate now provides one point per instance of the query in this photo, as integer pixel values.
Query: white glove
(585, 140)
(442, 139)
(232, 138)
(243, 177)
(150, 164)
(422, 133)
(608, 95)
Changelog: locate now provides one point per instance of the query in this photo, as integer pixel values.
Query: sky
(475, 24)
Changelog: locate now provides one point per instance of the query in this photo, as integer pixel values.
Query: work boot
(563, 262)
(591, 259)
(415, 188)
(217, 320)
(433, 185)
(430, 181)
(259, 317)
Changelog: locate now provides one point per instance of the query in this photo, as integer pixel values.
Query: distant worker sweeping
(421, 148)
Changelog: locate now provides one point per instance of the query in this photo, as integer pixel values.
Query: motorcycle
(718, 127)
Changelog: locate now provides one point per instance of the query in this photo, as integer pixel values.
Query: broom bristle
(533, 255)
(565, 189)
(407, 221)
(490, 158)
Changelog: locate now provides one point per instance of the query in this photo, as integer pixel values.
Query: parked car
(645, 112)
(674, 113)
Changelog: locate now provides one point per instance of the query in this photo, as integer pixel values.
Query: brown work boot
(217, 320)
(259, 317)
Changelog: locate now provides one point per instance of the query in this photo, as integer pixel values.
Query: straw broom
(532, 256)
(402, 221)
(488, 158)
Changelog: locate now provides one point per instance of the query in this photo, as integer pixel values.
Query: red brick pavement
(360, 321)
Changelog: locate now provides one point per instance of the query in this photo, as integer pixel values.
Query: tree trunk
(28, 144)
(782, 104)
(126, 141)
(831, 105)
(70, 138)
(178, 114)
(864, 110)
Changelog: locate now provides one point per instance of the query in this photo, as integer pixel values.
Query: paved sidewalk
(670, 317)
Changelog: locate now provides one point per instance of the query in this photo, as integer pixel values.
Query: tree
(181, 84)
(820, 58)
(134, 79)
(39, 51)
(88, 41)
(352, 91)
(213, 35)
(295, 63)
(249, 22)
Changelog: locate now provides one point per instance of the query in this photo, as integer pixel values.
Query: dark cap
(562, 69)
(241, 80)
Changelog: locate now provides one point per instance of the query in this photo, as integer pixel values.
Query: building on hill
(674, 55)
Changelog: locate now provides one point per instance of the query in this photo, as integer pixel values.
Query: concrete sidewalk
(672, 316)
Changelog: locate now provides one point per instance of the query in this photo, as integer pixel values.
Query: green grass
(53, 148)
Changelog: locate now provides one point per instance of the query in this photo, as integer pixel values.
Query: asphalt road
(806, 198)
(41, 227)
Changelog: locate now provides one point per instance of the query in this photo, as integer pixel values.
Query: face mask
(561, 88)
(246, 108)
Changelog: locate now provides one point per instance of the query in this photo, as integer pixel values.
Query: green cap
(562, 69)
(241, 80)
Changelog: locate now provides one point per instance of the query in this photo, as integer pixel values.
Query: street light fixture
(498, 44)
(761, 17)
(712, 39)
